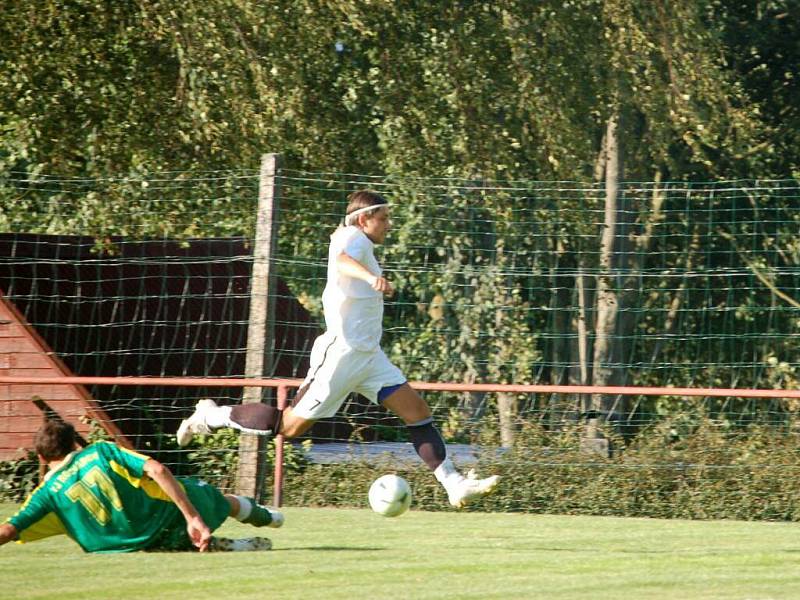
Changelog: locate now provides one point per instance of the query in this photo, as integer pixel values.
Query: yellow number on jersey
(91, 489)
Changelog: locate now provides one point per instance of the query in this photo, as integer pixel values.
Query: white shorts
(336, 371)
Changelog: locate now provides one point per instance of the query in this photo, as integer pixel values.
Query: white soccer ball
(390, 495)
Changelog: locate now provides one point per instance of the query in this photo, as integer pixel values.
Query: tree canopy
(497, 90)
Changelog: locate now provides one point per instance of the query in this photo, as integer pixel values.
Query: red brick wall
(24, 353)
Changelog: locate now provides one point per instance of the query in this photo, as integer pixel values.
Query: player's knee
(291, 431)
(288, 431)
(292, 426)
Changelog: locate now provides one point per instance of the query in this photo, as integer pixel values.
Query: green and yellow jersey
(101, 497)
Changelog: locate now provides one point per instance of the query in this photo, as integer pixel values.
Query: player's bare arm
(349, 266)
(198, 531)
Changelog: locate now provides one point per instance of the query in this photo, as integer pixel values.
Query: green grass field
(354, 554)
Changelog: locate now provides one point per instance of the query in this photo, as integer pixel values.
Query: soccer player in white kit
(348, 358)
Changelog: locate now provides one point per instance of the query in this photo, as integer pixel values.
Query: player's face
(377, 225)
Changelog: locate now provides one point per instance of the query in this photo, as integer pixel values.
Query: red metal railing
(283, 385)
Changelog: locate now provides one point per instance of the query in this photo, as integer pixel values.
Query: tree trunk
(506, 408)
(582, 345)
(604, 371)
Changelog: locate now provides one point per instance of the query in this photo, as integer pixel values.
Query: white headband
(348, 220)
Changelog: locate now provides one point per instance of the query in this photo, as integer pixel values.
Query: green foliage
(215, 458)
(104, 122)
(708, 473)
(96, 431)
(761, 49)
(501, 90)
(18, 478)
(105, 110)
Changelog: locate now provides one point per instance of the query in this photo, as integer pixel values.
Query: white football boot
(469, 488)
(197, 423)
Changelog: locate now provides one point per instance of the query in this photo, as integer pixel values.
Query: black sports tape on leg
(428, 443)
(257, 416)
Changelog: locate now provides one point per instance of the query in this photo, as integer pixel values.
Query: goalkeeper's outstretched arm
(197, 530)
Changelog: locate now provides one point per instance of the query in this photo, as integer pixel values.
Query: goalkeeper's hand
(199, 533)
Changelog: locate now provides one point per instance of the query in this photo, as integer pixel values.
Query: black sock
(257, 416)
(428, 443)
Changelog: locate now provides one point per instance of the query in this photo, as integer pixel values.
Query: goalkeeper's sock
(245, 508)
(254, 514)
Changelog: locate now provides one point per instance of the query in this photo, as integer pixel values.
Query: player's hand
(383, 285)
(199, 533)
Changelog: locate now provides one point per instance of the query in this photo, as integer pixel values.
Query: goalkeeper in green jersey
(109, 499)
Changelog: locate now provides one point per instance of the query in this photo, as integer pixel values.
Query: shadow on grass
(329, 549)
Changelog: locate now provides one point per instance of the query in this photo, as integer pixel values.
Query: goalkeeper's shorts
(209, 502)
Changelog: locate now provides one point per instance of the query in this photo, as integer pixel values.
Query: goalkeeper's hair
(55, 439)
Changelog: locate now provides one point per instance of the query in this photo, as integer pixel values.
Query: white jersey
(353, 310)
